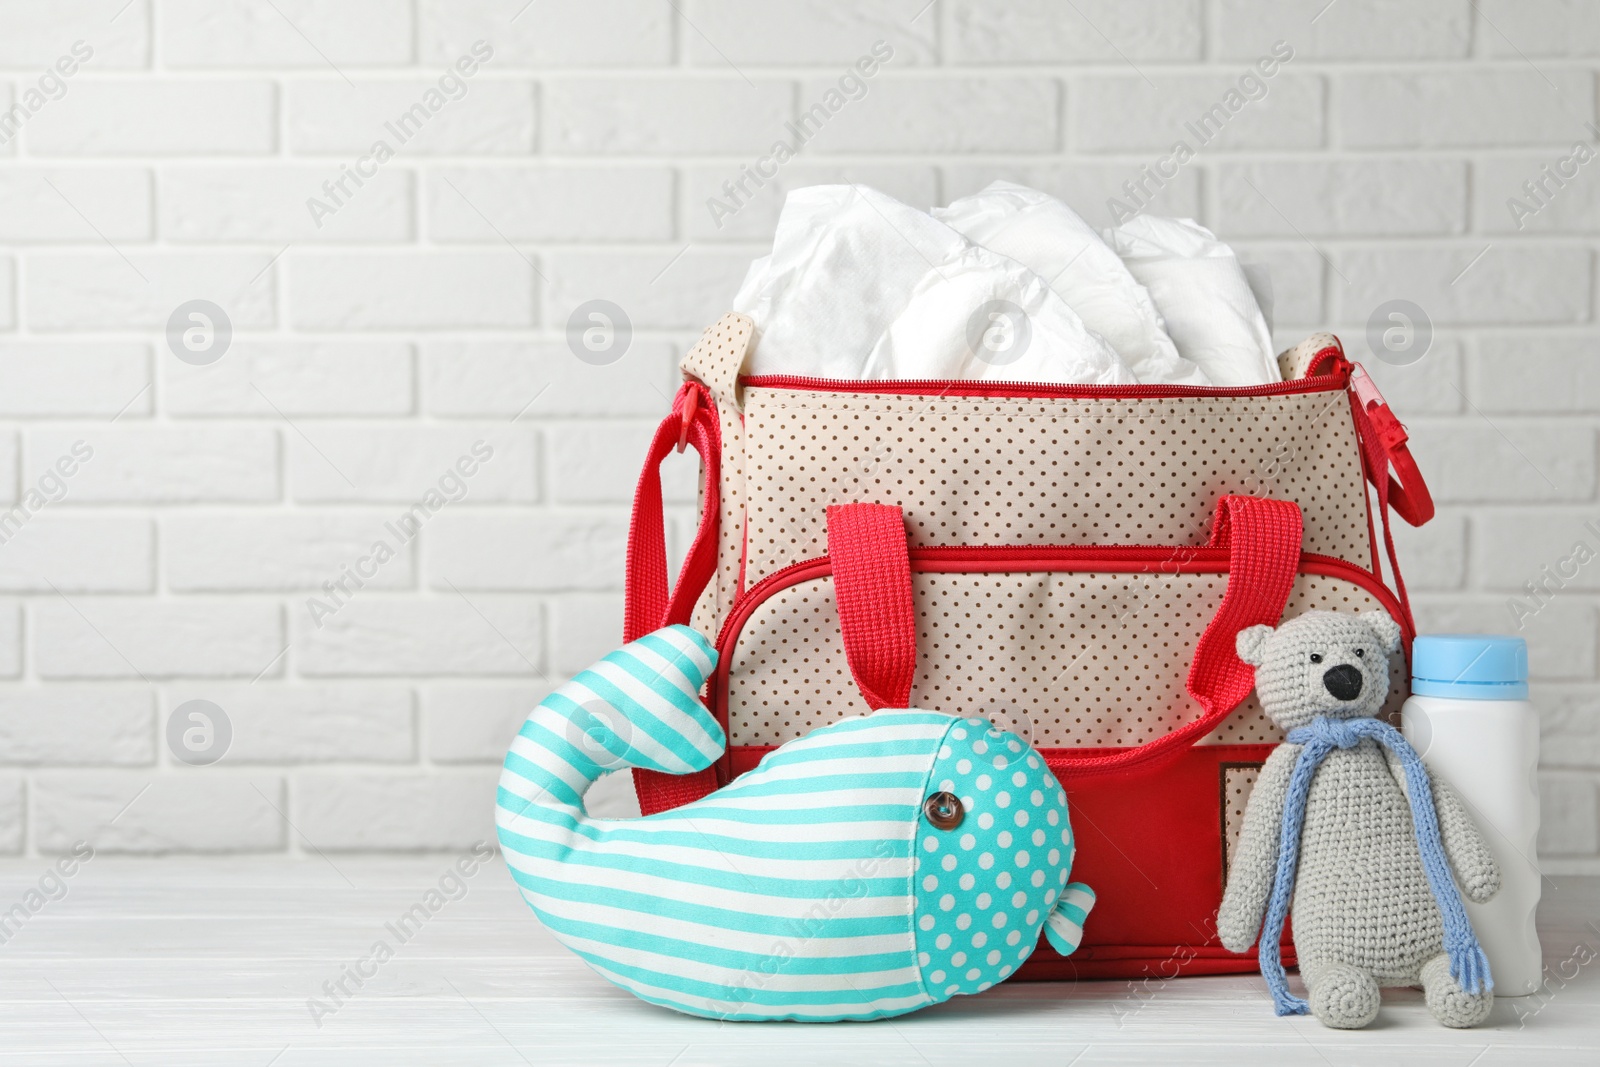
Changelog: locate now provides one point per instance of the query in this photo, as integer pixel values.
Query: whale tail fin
(1064, 927)
(638, 707)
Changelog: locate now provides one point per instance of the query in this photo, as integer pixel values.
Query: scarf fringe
(1286, 1003)
(1470, 968)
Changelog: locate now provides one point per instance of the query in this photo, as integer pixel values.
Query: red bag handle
(872, 588)
(1263, 541)
(648, 602)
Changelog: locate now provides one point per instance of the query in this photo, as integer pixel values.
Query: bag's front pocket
(1081, 649)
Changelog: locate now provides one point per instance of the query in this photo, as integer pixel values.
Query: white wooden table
(184, 961)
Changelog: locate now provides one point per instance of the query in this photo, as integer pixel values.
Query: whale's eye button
(944, 810)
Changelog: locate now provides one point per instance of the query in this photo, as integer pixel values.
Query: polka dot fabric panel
(989, 471)
(1065, 660)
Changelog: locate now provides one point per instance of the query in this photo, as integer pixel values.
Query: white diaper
(1203, 295)
(1047, 236)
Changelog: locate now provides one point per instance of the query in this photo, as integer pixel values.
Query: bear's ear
(1252, 644)
(1387, 629)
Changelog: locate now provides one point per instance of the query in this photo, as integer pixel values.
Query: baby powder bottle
(1470, 720)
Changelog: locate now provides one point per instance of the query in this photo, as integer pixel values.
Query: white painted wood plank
(181, 961)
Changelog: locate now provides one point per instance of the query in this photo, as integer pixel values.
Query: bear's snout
(1343, 681)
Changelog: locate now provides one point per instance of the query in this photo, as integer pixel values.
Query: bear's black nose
(1343, 681)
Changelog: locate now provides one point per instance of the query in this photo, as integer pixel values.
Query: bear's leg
(1342, 996)
(1450, 1004)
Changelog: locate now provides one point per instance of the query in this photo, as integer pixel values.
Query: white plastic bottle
(1470, 720)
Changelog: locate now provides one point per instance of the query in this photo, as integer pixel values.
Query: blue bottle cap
(1470, 666)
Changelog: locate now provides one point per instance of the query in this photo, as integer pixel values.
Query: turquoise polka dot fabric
(986, 888)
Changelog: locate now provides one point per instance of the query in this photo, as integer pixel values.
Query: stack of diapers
(1008, 284)
(859, 285)
(1210, 310)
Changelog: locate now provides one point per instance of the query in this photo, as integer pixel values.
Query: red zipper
(1337, 378)
(1174, 559)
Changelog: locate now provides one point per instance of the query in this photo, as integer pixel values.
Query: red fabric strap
(1263, 541)
(648, 603)
(1383, 440)
(1383, 446)
(872, 587)
(663, 792)
(1263, 538)
(1383, 443)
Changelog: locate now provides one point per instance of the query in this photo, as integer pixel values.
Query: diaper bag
(1070, 561)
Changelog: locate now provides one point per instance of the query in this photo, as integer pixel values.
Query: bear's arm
(1255, 857)
(1469, 854)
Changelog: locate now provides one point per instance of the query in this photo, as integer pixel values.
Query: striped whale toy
(873, 867)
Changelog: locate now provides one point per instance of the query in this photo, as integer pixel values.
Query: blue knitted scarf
(1468, 965)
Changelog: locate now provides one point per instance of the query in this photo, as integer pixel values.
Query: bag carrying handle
(1263, 538)
(872, 587)
(648, 603)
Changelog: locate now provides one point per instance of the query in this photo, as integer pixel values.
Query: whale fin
(638, 707)
(1064, 928)
(656, 684)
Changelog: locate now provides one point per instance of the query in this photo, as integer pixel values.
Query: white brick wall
(427, 312)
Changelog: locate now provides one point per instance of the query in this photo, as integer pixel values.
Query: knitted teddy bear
(1347, 803)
